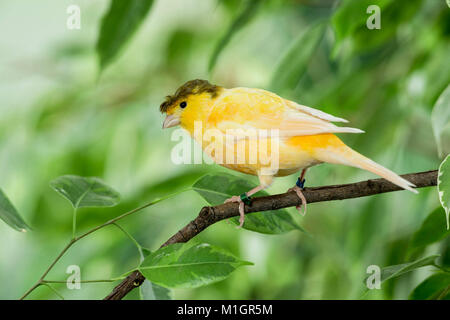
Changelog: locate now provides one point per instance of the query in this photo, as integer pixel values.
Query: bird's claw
(299, 193)
(233, 199)
(240, 199)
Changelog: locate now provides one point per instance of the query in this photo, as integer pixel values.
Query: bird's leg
(298, 190)
(243, 199)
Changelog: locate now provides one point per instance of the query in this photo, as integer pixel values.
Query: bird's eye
(183, 105)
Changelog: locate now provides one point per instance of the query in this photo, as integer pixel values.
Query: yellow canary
(296, 136)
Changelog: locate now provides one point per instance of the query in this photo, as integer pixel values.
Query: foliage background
(58, 116)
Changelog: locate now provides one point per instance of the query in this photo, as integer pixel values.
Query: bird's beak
(171, 121)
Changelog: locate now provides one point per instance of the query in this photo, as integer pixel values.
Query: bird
(304, 136)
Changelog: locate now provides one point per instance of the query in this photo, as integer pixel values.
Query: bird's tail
(339, 153)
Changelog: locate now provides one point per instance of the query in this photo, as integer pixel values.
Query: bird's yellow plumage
(305, 136)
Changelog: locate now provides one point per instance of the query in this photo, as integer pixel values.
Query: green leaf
(10, 215)
(440, 117)
(248, 12)
(432, 230)
(118, 25)
(435, 286)
(395, 271)
(269, 222)
(85, 192)
(189, 266)
(444, 186)
(216, 188)
(448, 3)
(145, 252)
(352, 15)
(152, 291)
(296, 58)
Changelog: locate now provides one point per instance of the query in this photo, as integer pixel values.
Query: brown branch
(211, 215)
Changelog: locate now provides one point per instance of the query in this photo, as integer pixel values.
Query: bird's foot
(242, 200)
(298, 190)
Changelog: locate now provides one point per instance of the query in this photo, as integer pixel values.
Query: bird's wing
(242, 112)
(313, 112)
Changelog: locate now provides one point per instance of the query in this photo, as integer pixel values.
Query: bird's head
(188, 103)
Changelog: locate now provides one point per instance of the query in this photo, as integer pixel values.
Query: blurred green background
(59, 116)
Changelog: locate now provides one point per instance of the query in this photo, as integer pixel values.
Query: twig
(210, 215)
(80, 281)
(42, 280)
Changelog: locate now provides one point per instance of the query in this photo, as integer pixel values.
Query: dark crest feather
(196, 86)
